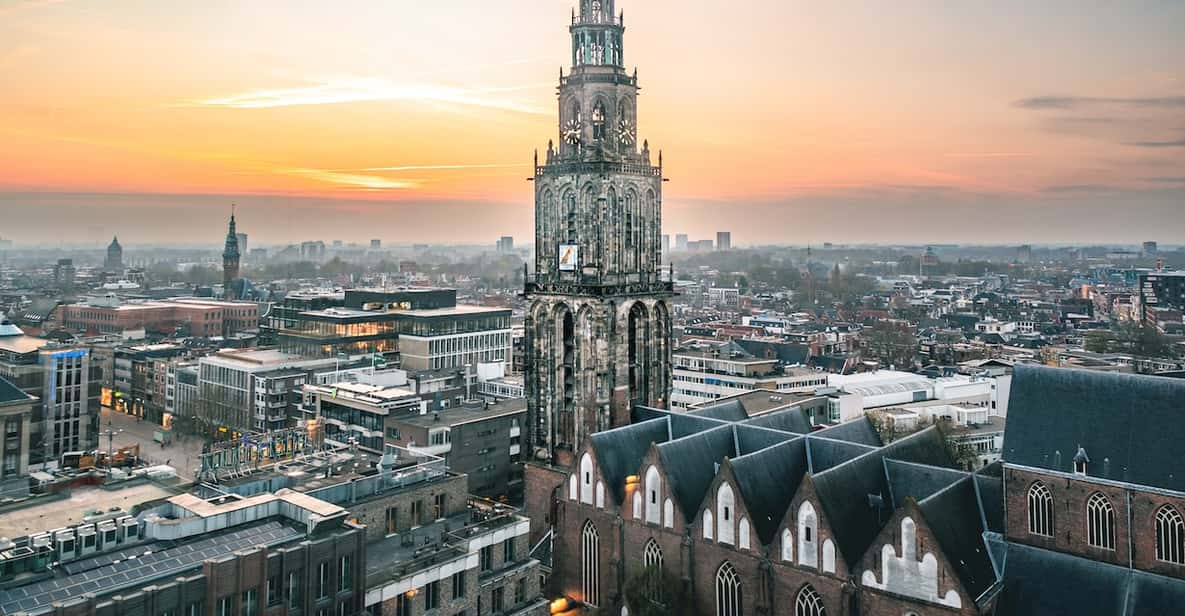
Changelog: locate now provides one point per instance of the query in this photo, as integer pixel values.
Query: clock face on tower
(571, 131)
(627, 133)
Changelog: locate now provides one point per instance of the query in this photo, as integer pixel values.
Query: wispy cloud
(22, 5)
(1174, 143)
(353, 180)
(439, 167)
(1166, 179)
(1077, 102)
(368, 90)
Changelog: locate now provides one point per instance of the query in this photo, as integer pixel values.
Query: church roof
(1036, 581)
(1129, 426)
(620, 452)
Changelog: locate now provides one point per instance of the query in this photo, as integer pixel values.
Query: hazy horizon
(782, 122)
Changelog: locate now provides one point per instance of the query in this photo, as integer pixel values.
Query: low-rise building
(189, 316)
(703, 372)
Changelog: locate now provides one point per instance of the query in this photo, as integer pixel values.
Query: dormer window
(1080, 461)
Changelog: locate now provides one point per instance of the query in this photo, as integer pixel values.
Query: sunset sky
(784, 121)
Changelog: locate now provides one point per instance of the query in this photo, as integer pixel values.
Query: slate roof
(691, 464)
(845, 489)
(10, 393)
(793, 419)
(1130, 426)
(620, 452)
(953, 515)
(859, 431)
(768, 480)
(1036, 582)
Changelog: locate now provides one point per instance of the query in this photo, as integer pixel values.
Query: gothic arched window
(809, 603)
(652, 560)
(570, 221)
(598, 121)
(1040, 510)
(1170, 536)
(591, 564)
(728, 591)
(1100, 522)
(653, 495)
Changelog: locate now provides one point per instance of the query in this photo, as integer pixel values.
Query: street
(182, 454)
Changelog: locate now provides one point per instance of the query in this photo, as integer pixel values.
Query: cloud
(26, 5)
(368, 90)
(353, 180)
(1166, 179)
(1177, 143)
(1079, 188)
(440, 167)
(1077, 102)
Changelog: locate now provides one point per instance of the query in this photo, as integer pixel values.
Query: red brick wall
(1070, 496)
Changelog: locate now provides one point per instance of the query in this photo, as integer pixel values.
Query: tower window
(598, 120)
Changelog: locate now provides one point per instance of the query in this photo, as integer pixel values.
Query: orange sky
(866, 104)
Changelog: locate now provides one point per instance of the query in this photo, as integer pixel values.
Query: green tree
(657, 592)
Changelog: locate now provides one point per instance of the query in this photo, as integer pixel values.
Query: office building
(723, 240)
(706, 372)
(16, 418)
(252, 390)
(63, 275)
(139, 373)
(65, 414)
(376, 244)
(201, 553)
(114, 261)
(681, 242)
(1151, 249)
(505, 244)
(1161, 291)
(181, 316)
(424, 328)
(598, 326)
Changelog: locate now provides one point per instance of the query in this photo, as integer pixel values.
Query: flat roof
(44, 514)
(23, 344)
(459, 416)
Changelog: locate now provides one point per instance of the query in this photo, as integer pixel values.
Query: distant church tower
(230, 257)
(598, 332)
(114, 262)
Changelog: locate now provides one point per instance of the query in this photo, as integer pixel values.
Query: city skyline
(846, 123)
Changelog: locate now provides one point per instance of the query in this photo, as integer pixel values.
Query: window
(417, 512)
(459, 585)
(392, 520)
(250, 603)
(808, 544)
(440, 506)
(224, 607)
(590, 554)
(294, 591)
(403, 605)
(345, 572)
(498, 599)
(1040, 510)
(1170, 536)
(652, 560)
(273, 590)
(725, 504)
(1100, 521)
(323, 580)
(728, 591)
(487, 558)
(520, 591)
(508, 550)
(432, 596)
(194, 608)
(809, 603)
(653, 492)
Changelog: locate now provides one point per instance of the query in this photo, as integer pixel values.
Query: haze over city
(798, 121)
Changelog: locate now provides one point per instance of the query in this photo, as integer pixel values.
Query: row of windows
(1100, 523)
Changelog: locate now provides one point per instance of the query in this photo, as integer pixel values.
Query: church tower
(230, 258)
(599, 325)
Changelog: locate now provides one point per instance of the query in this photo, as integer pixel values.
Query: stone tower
(599, 325)
(230, 257)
